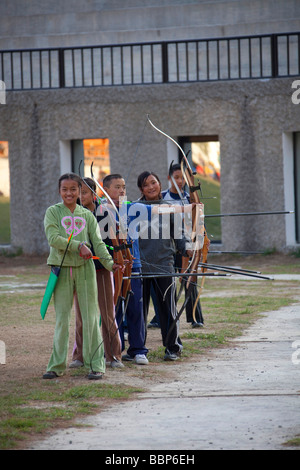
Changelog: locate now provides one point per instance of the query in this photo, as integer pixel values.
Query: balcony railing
(232, 58)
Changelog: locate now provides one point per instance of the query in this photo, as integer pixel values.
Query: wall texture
(56, 23)
(249, 117)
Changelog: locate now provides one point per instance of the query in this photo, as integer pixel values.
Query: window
(91, 151)
(4, 194)
(204, 156)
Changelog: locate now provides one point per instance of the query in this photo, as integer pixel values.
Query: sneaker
(171, 356)
(127, 358)
(95, 375)
(153, 325)
(116, 364)
(75, 364)
(140, 359)
(197, 325)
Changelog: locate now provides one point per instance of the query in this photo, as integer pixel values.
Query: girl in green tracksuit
(77, 274)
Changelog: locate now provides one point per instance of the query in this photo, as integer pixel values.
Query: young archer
(77, 275)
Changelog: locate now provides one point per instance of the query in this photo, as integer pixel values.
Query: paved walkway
(243, 397)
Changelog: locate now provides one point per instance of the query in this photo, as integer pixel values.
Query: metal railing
(232, 58)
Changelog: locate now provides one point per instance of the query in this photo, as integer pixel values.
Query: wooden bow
(122, 254)
(203, 259)
(189, 177)
(123, 286)
(194, 198)
(198, 251)
(126, 288)
(118, 259)
(201, 253)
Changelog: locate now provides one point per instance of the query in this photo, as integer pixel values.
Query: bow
(126, 288)
(118, 274)
(186, 263)
(189, 177)
(204, 253)
(201, 254)
(193, 186)
(117, 245)
(117, 248)
(122, 254)
(194, 198)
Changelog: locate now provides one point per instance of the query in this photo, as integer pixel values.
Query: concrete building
(241, 92)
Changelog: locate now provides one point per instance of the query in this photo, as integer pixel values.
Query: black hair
(69, 176)
(108, 179)
(90, 183)
(174, 168)
(142, 178)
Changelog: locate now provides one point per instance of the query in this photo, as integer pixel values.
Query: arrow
(249, 213)
(151, 275)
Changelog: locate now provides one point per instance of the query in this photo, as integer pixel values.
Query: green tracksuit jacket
(59, 223)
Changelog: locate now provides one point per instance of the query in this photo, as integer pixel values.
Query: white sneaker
(141, 359)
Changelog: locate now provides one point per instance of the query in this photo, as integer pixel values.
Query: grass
(211, 188)
(293, 442)
(33, 411)
(5, 220)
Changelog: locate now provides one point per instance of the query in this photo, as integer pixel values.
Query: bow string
(194, 187)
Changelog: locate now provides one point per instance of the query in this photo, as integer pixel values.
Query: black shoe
(197, 325)
(171, 356)
(127, 358)
(153, 325)
(95, 375)
(50, 375)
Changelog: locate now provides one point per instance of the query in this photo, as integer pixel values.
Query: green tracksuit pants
(81, 279)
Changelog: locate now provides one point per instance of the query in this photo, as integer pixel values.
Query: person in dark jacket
(158, 246)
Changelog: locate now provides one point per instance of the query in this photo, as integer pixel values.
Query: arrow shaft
(216, 266)
(241, 273)
(155, 275)
(249, 213)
